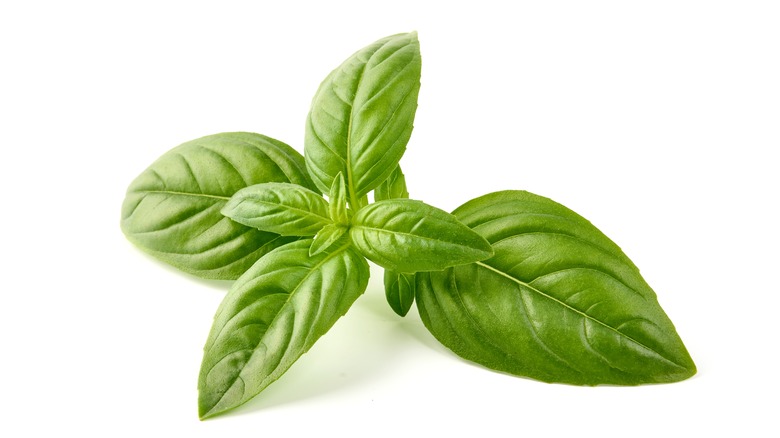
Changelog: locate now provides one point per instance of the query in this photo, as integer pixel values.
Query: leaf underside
(558, 302)
(271, 316)
(172, 209)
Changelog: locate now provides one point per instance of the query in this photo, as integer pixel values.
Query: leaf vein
(191, 217)
(191, 172)
(539, 339)
(587, 268)
(177, 193)
(579, 312)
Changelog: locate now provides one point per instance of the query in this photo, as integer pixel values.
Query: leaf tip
(690, 370)
(316, 249)
(399, 310)
(229, 209)
(203, 412)
(209, 406)
(489, 251)
(482, 247)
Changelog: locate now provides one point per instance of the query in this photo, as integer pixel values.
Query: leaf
(271, 316)
(328, 236)
(410, 236)
(559, 301)
(393, 187)
(172, 209)
(338, 201)
(281, 208)
(399, 288)
(399, 291)
(362, 116)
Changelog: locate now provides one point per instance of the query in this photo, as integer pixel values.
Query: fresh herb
(511, 280)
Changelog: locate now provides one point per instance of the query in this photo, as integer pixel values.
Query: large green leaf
(410, 236)
(558, 302)
(271, 316)
(172, 209)
(362, 116)
(282, 208)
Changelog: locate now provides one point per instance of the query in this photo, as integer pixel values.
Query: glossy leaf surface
(399, 291)
(559, 301)
(271, 316)
(281, 208)
(411, 236)
(362, 115)
(172, 209)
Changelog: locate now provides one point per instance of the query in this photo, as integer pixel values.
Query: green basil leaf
(410, 236)
(399, 291)
(338, 201)
(559, 301)
(271, 316)
(362, 115)
(399, 288)
(172, 209)
(327, 237)
(281, 208)
(393, 187)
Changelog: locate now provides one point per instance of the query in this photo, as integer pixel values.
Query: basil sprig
(511, 280)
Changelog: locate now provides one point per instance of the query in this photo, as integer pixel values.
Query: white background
(658, 121)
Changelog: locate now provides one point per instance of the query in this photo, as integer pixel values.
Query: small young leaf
(362, 115)
(271, 316)
(393, 187)
(281, 208)
(559, 301)
(399, 291)
(410, 236)
(328, 236)
(172, 209)
(338, 201)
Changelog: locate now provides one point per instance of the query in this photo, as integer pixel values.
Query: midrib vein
(302, 212)
(583, 314)
(199, 195)
(353, 199)
(454, 245)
